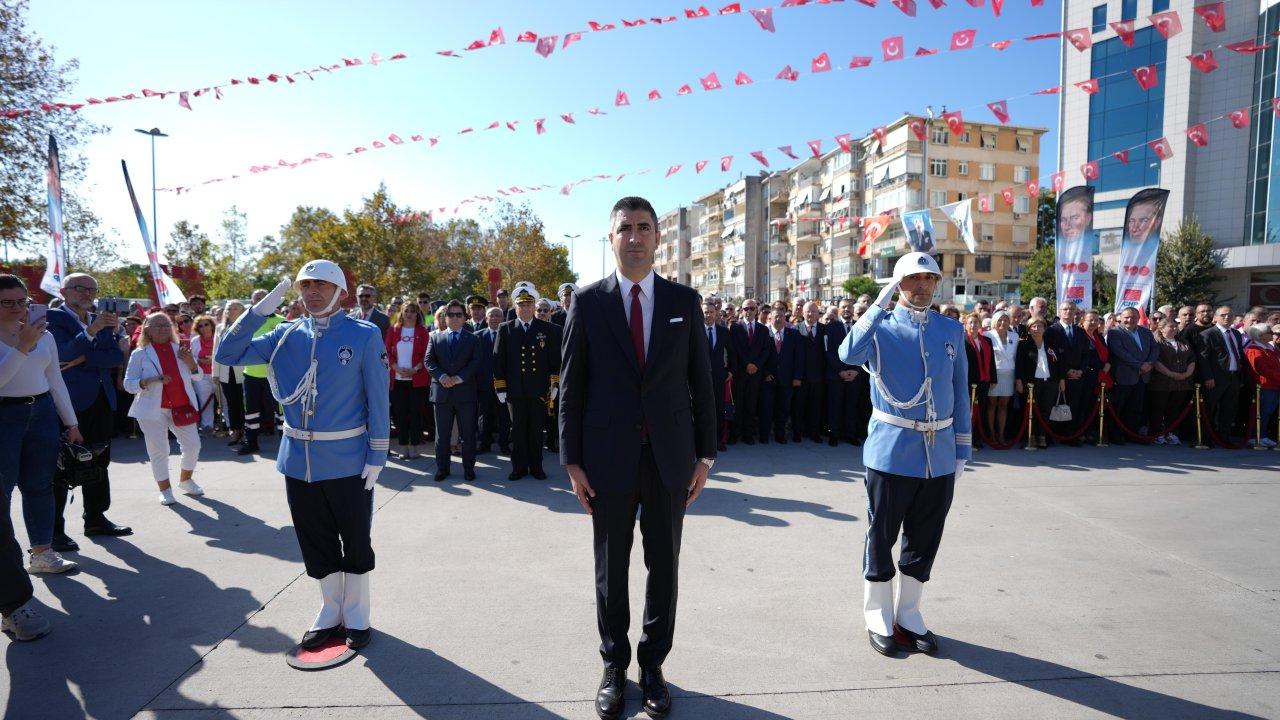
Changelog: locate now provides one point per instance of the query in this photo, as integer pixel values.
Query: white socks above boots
(877, 606)
(355, 602)
(331, 590)
(908, 615)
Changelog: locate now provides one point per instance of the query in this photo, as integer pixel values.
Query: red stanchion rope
(1115, 417)
(982, 429)
(1084, 426)
(1213, 434)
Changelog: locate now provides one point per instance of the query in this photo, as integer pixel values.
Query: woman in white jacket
(161, 374)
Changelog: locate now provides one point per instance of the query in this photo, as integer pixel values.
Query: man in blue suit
(720, 351)
(637, 433)
(87, 352)
(493, 418)
(781, 375)
(1133, 353)
(453, 361)
(751, 346)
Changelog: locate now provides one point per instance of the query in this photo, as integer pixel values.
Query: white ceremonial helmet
(913, 263)
(326, 270)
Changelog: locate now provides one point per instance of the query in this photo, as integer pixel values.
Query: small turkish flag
(1167, 23)
(924, 52)
(963, 39)
(511, 125)
(1161, 148)
(571, 38)
(496, 37)
(183, 101)
(1147, 77)
(673, 170)
(759, 155)
(874, 227)
(539, 124)
(597, 27)
(984, 203)
(786, 73)
(1000, 109)
(1058, 181)
(731, 9)
(917, 127)
(1239, 118)
(816, 147)
(1214, 16)
(1246, 47)
(633, 23)
(701, 12)
(844, 142)
(908, 7)
(621, 99)
(820, 64)
(1205, 62)
(997, 6)
(764, 16)
(859, 61)
(684, 90)
(1089, 86)
(1049, 90)
(698, 166)
(546, 45)
(655, 95)
(881, 135)
(955, 122)
(711, 82)
(786, 150)
(1198, 134)
(1122, 156)
(1082, 39)
(597, 111)
(568, 117)
(725, 162)
(892, 48)
(1033, 189)
(1007, 194)
(493, 125)
(742, 79)
(475, 45)
(1090, 170)
(938, 4)
(1002, 44)
(1124, 31)
(526, 36)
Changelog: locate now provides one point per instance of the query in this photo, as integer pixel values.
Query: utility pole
(154, 133)
(571, 238)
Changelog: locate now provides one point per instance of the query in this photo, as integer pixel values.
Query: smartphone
(36, 312)
(119, 306)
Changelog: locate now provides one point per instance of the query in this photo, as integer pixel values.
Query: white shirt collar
(624, 285)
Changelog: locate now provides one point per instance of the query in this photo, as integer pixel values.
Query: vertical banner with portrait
(918, 227)
(1136, 276)
(1074, 247)
(55, 256)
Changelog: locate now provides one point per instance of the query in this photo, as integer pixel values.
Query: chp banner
(961, 215)
(1074, 245)
(55, 255)
(919, 229)
(1136, 278)
(166, 290)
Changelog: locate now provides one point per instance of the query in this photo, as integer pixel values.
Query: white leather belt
(918, 425)
(310, 435)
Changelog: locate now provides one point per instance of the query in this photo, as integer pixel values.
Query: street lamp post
(154, 133)
(571, 238)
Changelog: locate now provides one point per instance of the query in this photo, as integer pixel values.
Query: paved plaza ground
(1135, 582)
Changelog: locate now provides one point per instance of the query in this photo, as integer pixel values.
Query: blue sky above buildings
(126, 46)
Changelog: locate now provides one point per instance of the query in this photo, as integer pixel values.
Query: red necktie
(777, 341)
(637, 325)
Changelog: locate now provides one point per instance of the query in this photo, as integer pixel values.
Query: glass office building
(1123, 116)
(1263, 195)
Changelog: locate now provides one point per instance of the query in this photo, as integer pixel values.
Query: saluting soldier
(526, 377)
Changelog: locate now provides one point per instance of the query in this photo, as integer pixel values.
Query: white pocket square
(676, 320)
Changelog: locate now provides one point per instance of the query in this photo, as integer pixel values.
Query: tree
(1185, 265)
(860, 285)
(1038, 278)
(1104, 287)
(189, 246)
(30, 76)
(1046, 215)
(516, 245)
(129, 281)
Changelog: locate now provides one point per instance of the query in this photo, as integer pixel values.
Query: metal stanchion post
(1257, 418)
(1102, 415)
(1031, 417)
(973, 405)
(1199, 423)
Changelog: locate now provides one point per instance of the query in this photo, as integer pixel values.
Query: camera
(119, 306)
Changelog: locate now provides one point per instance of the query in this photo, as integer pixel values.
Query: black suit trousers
(406, 411)
(916, 507)
(464, 413)
(527, 418)
(746, 404)
(806, 409)
(775, 408)
(494, 419)
(1222, 402)
(97, 425)
(841, 408)
(613, 520)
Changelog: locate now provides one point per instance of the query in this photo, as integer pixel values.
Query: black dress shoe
(748, 441)
(469, 476)
(313, 639)
(441, 476)
(62, 543)
(609, 700)
(722, 447)
(538, 475)
(357, 639)
(834, 441)
(883, 644)
(926, 643)
(781, 439)
(106, 527)
(248, 450)
(515, 475)
(657, 697)
(764, 440)
(504, 449)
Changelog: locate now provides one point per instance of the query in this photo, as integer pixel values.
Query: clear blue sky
(124, 46)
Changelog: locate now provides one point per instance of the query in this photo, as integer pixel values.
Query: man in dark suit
(367, 309)
(1133, 353)
(637, 430)
(476, 305)
(565, 293)
(751, 349)
(781, 377)
(526, 376)
(87, 352)
(1073, 349)
(453, 361)
(1220, 365)
(494, 419)
(841, 380)
(720, 350)
(806, 402)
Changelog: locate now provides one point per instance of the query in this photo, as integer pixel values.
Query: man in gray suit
(367, 297)
(1133, 354)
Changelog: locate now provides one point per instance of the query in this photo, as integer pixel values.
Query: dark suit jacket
(100, 353)
(461, 359)
(484, 375)
(1214, 358)
(831, 335)
(1190, 335)
(1024, 362)
(606, 402)
(721, 354)
(559, 316)
(784, 365)
(1126, 357)
(377, 317)
(812, 357)
(975, 368)
(1073, 353)
(754, 351)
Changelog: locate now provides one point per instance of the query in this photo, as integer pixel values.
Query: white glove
(555, 390)
(960, 468)
(886, 295)
(370, 475)
(271, 302)
(502, 398)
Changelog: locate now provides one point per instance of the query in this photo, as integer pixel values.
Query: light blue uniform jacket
(889, 344)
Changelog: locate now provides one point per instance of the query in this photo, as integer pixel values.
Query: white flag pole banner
(1136, 278)
(55, 255)
(166, 290)
(961, 215)
(1074, 247)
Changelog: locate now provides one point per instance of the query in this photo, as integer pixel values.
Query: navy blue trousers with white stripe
(915, 506)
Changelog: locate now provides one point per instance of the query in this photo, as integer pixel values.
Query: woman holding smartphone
(33, 397)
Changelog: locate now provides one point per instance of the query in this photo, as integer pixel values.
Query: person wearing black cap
(565, 294)
(526, 376)
(504, 302)
(476, 306)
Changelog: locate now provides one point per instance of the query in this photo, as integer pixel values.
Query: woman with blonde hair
(202, 341)
(161, 374)
(406, 349)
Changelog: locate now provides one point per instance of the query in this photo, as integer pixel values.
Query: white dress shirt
(646, 302)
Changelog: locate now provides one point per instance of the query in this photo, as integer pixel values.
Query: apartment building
(673, 259)
(705, 248)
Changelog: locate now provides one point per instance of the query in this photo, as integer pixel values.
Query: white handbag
(1061, 411)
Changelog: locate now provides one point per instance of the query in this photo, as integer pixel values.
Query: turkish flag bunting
(731, 9)
(786, 73)
(1007, 194)
(1214, 16)
(892, 48)
(816, 147)
(882, 136)
(764, 16)
(597, 27)
(923, 51)
(633, 23)
(1058, 181)
(1090, 170)
(621, 99)
(659, 21)
(673, 170)
(1245, 47)
(908, 7)
(955, 122)
(493, 125)
(395, 139)
(539, 124)
(786, 150)
(698, 166)
(1122, 156)
(976, 3)
(1239, 118)
(1049, 90)
(711, 82)
(701, 12)
(1161, 148)
(1089, 86)
(759, 155)
(1000, 109)
(597, 111)
(1205, 62)
(1167, 23)
(725, 162)
(1124, 30)
(1082, 39)
(917, 127)
(963, 39)
(571, 38)
(1002, 44)
(655, 95)
(1275, 106)
(938, 4)
(845, 142)
(1198, 134)
(742, 79)
(546, 45)
(183, 101)
(684, 90)
(1147, 77)
(475, 45)
(511, 125)
(874, 227)
(568, 117)
(1033, 189)
(984, 203)
(497, 38)
(820, 64)
(868, 3)
(859, 61)
(527, 36)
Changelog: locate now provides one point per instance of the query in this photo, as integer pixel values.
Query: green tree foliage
(1046, 214)
(1185, 266)
(860, 285)
(129, 281)
(189, 246)
(515, 244)
(1038, 279)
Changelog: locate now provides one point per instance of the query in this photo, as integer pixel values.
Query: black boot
(609, 700)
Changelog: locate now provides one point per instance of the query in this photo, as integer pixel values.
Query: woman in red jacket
(1264, 361)
(410, 382)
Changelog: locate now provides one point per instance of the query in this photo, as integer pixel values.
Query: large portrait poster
(1074, 246)
(919, 229)
(1136, 277)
